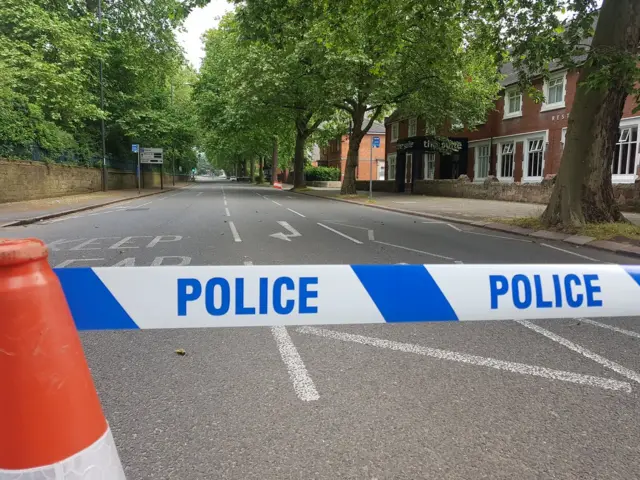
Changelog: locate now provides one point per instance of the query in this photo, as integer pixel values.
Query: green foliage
(50, 54)
(322, 174)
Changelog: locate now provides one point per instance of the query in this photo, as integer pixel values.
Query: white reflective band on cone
(99, 461)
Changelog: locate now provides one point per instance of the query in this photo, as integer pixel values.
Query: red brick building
(521, 141)
(335, 154)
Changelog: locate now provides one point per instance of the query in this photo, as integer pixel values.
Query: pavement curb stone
(580, 240)
(28, 221)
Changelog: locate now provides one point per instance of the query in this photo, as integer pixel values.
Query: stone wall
(323, 184)
(26, 180)
(628, 195)
(378, 185)
(152, 179)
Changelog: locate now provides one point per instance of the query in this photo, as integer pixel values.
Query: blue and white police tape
(239, 296)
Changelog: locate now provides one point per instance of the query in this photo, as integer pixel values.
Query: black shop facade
(426, 158)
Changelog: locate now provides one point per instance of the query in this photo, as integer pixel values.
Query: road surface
(528, 400)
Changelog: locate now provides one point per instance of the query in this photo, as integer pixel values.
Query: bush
(322, 174)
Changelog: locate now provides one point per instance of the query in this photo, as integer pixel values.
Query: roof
(376, 127)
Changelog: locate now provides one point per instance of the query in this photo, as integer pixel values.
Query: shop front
(423, 158)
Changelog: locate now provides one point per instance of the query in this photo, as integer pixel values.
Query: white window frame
(563, 137)
(556, 105)
(500, 159)
(413, 127)
(525, 160)
(628, 177)
(427, 158)
(391, 173)
(477, 148)
(395, 132)
(507, 95)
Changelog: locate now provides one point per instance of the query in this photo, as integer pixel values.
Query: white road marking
(225, 202)
(454, 227)
(297, 213)
(198, 194)
(293, 233)
(370, 235)
(161, 239)
(347, 225)
(513, 367)
(414, 250)
(68, 262)
(605, 362)
(403, 203)
(226, 212)
(570, 252)
(182, 261)
(121, 243)
(248, 263)
(279, 204)
(431, 222)
(302, 383)
(459, 262)
(142, 204)
(234, 232)
(52, 246)
(341, 234)
(89, 242)
(126, 262)
(630, 333)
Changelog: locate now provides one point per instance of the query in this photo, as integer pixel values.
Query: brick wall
(335, 155)
(628, 195)
(25, 180)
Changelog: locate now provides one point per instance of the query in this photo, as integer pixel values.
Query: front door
(408, 179)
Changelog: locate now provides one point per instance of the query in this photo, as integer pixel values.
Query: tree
(369, 56)
(536, 35)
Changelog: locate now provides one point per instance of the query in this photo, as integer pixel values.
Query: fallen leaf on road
(181, 351)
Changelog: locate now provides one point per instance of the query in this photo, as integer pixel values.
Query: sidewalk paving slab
(475, 212)
(32, 211)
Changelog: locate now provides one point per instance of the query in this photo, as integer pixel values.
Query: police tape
(241, 296)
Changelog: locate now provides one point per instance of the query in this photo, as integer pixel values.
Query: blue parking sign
(134, 148)
(376, 142)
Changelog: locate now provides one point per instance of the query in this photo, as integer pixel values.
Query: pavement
(499, 400)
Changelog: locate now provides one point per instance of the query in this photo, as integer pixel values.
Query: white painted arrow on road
(284, 236)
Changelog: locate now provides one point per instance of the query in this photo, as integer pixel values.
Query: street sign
(376, 142)
(151, 155)
(134, 148)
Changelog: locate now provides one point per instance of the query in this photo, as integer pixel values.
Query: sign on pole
(151, 155)
(376, 142)
(134, 148)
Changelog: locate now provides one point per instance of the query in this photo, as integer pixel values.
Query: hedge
(322, 174)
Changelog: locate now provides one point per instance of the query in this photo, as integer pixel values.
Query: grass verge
(619, 232)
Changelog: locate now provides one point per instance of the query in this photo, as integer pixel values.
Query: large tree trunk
(298, 160)
(355, 138)
(252, 168)
(583, 192)
(274, 160)
(261, 171)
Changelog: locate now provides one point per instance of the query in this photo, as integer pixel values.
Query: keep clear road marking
(302, 383)
(570, 252)
(629, 333)
(234, 232)
(630, 374)
(341, 234)
(513, 367)
(297, 213)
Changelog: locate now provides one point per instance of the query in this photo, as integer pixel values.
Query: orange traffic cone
(51, 422)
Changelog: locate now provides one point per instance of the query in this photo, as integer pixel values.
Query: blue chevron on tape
(242, 296)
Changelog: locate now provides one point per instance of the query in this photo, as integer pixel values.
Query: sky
(198, 22)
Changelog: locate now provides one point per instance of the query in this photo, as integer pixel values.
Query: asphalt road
(552, 399)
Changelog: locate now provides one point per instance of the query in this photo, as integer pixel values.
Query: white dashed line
(371, 236)
(302, 383)
(226, 211)
(605, 362)
(569, 252)
(413, 250)
(199, 193)
(297, 213)
(513, 367)
(279, 204)
(341, 234)
(225, 202)
(234, 232)
(629, 333)
(454, 227)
